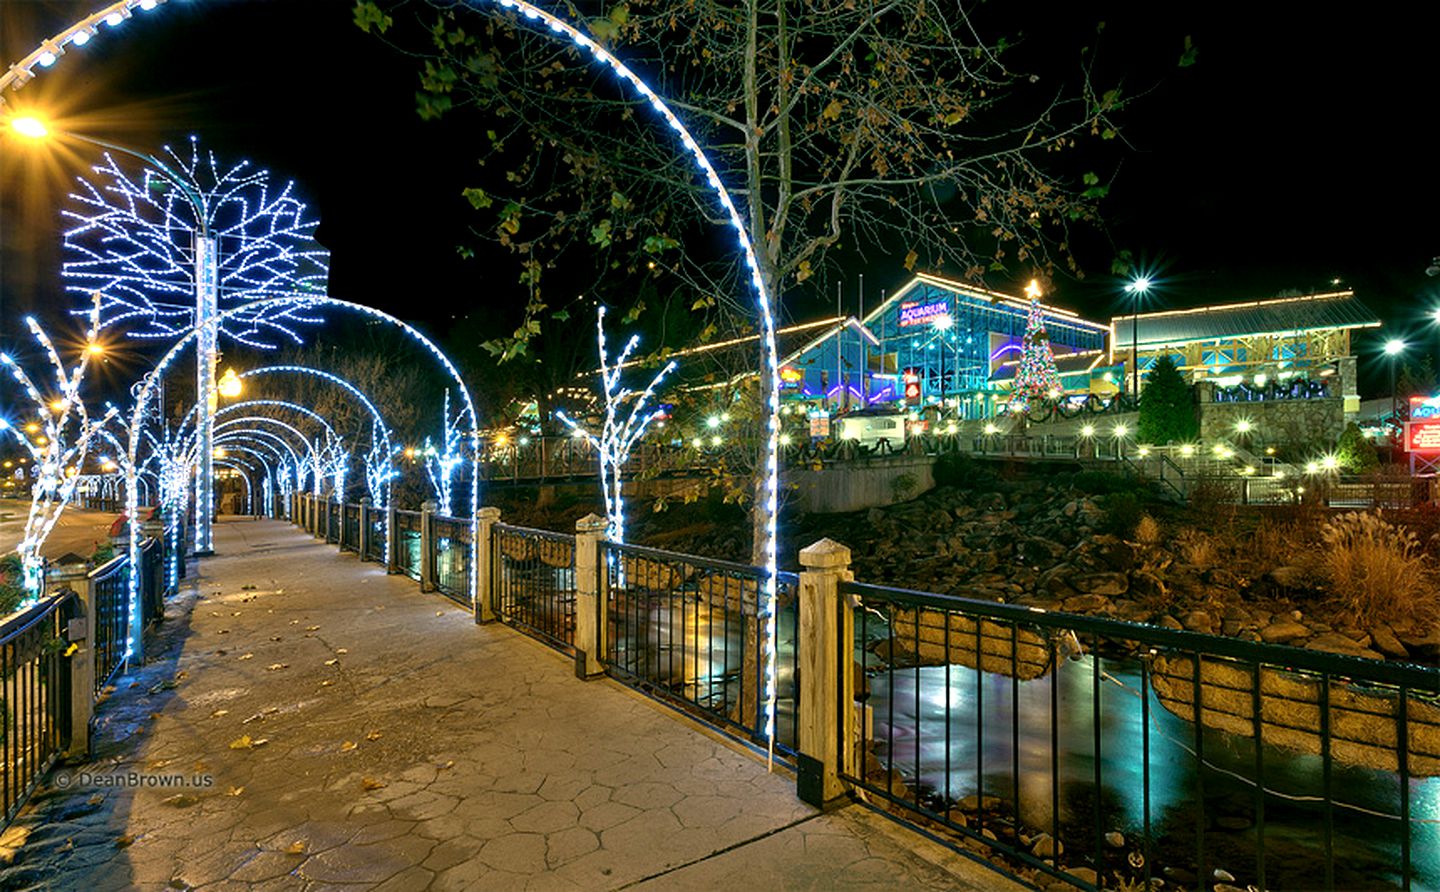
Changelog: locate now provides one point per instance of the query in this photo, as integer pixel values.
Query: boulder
(1335, 643)
(1198, 621)
(1092, 603)
(1283, 632)
(1047, 846)
(1146, 584)
(1102, 583)
(1289, 577)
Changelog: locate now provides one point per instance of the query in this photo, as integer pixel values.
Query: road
(77, 531)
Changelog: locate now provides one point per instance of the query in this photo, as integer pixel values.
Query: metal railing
(407, 543)
(375, 543)
(350, 518)
(450, 537)
(688, 629)
(152, 580)
(35, 690)
(110, 589)
(1043, 735)
(532, 578)
(332, 520)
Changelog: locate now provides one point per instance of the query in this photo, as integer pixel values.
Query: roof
(1067, 364)
(1020, 305)
(1285, 315)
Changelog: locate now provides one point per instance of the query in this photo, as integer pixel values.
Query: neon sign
(914, 313)
(1423, 436)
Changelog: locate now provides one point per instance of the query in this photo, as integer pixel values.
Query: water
(932, 736)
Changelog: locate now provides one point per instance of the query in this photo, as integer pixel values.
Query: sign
(913, 313)
(819, 425)
(791, 378)
(1423, 407)
(1423, 436)
(912, 386)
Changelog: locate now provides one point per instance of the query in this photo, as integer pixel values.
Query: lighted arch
(116, 13)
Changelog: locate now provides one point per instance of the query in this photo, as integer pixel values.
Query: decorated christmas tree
(1037, 378)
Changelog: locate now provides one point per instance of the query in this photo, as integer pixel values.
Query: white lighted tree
(57, 442)
(620, 429)
(441, 461)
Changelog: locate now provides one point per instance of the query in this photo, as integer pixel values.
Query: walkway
(340, 730)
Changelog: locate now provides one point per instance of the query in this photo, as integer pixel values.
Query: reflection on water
(695, 651)
(932, 735)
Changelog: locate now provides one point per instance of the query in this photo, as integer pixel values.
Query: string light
(440, 464)
(616, 438)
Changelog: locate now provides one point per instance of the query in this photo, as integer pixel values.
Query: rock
(1237, 614)
(1283, 632)
(1198, 621)
(1221, 875)
(1335, 643)
(1146, 584)
(1422, 641)
(1179, 875)
(1386, 641)
(1169, 622)
(1101, 583)
(1133, 612)
(1046, 846)
(1117, 555)
(1086, 604)
(1085, 875)
(1289, 577)
(972, 803)
(1115, 839)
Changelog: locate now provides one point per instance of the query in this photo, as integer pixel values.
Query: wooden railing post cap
(827, 554)
(590, 523)
(489, 513)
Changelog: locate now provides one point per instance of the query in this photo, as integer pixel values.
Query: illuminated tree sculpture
(57, 444)
(187, 239)
(1037, 378)
(617, 437)
(441, 462)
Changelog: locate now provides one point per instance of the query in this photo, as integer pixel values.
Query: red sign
(912, 385)
(1423, 436)
(791, 375)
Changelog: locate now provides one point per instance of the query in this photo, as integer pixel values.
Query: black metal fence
(332, 520)
(407, 543)
(350, 517)
(451, 538)
(110, 589)
(34, 693)
(375, 542)
(152, 580)
(1072, 744)
(533, 583)
(689, 629)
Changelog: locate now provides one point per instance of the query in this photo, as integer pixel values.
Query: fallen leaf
(371, 783)
(342, 650)
(223, 632)
(312, 628)
(296, 848)
(294, 622)
(374, 735)
(332, 662)
(243, 742)
(348, 745)
(439, 613)
(122, 842)
(261, 741)
(218, 713)
(179, 800)
(449, 763)
(236, 613)
(214, 613)
(326, 683)
(247, 656)
(198, 766)
(235, 791)
(273, 666)
(248, 588)
(96, 799)
(158, 764)
(182, 675)
(276, 638)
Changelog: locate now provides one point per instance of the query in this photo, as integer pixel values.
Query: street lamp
(1393, 348)
(1136, 290)
(207, 297)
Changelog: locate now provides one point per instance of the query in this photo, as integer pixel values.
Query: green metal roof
(1287, 315)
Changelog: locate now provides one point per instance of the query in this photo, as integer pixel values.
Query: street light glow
(1394, 346)
(943, 322)
(1139, 286)
(229, 384)
(30, 127)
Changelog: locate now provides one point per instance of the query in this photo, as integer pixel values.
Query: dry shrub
(1377, 570)
(1277, 543)
(1198, 549)
(1147, 531)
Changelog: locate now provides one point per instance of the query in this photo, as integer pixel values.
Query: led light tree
(441, 462)
(57, 449)
(617, 435)
(1037, 378)
(185, 240)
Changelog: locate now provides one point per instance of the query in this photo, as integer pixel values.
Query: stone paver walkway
(337, 729)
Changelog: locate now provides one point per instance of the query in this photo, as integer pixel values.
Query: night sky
(1292, 153)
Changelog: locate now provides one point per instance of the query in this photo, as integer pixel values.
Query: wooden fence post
(827, 674)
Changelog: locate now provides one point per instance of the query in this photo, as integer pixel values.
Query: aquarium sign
(1422, 407)
(915, 313)
(1423, 436)
(791, 378)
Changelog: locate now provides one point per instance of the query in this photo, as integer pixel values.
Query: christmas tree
(1037, 378)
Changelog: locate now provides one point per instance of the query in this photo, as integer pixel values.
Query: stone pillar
(427, 547)
(825, 637)
(363, 545)
(392, 539)
(485, 520)
(79, 632)
(589, 631)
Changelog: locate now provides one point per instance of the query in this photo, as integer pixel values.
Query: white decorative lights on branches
(441, 462)
(57, 443)
(617, 437)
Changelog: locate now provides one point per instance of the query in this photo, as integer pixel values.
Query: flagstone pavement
(334, 728)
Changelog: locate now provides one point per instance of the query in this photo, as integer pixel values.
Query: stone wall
(861, 483)
(1276, 421)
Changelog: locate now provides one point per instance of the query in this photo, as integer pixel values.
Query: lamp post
(1393, 348)
(207, 296)
(1136, 290)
